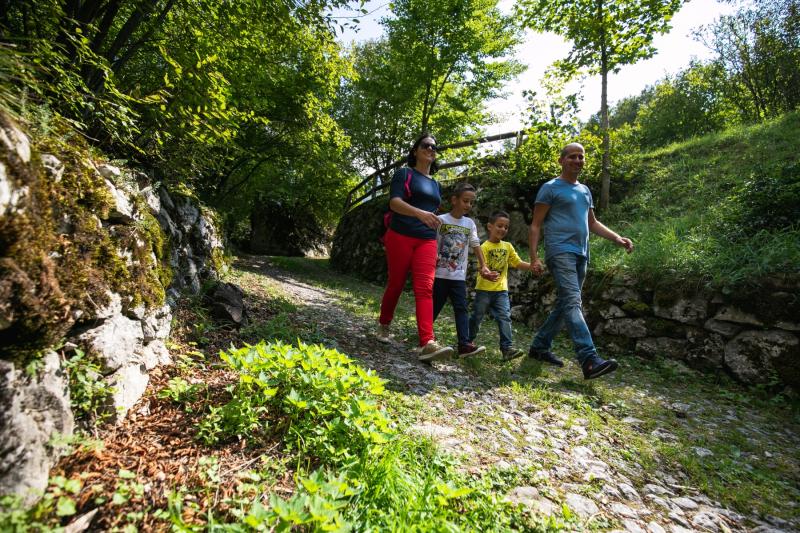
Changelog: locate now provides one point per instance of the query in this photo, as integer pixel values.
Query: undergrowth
(719, 211)
(356, 471)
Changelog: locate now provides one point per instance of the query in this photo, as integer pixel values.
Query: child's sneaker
(468, 349)
(595, 366)
(545, 356)
(511, 353)
(383, 334)
(433, 351)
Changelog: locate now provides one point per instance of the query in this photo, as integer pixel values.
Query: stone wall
(357, 248)
(122, 332)
(753, 335)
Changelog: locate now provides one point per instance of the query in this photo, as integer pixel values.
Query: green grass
(641, 389)
(699, 216)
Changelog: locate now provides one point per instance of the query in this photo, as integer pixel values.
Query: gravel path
(491, 428)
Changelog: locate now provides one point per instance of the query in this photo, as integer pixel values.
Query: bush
(328, 401)
(770, 200)
(366, 476)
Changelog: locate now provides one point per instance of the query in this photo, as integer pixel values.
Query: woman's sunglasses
(428, 146)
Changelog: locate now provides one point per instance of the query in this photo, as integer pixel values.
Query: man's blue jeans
(500, 306)
(569, 271)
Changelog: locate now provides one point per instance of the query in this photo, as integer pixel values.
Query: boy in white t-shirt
(455, 237)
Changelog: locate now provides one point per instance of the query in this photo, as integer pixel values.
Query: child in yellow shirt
(493, 295)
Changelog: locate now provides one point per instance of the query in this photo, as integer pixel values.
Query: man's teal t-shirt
(566, 226)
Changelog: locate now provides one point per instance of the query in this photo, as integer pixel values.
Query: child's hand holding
(489, 274)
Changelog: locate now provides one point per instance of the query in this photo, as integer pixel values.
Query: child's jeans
(418, 256)
(456, 289)
(500, 306)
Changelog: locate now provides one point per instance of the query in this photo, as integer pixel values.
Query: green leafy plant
(88, 390)
(45, 515)
(127, 488)
(327, 399)
(180, 391)
(366, 476)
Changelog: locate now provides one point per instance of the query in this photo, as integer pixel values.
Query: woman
(410, 244)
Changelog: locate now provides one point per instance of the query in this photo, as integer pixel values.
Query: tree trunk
(605, 173)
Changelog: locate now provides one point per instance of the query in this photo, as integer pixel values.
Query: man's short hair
(498, 214)
(564, 150)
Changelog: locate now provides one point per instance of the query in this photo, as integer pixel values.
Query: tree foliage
(605, 36)
(233, 97)
(759, 49)
(434, 69)
(753, 76)
(689, 104)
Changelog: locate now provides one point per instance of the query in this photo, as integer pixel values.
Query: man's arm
(535, 233)
(598, 228)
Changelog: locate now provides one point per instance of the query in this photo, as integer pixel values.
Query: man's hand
(537, 267)
(625, 243)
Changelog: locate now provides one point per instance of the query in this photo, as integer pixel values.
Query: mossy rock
(636, 308)
(659, 327)
(52, 273)
(616, 344)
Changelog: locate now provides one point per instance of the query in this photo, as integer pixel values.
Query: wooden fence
(372, 187)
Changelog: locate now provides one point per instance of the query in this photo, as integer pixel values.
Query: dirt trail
(489, 426)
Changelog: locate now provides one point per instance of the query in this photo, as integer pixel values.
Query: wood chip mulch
(157, 442)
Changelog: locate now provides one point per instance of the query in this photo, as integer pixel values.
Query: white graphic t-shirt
(456, 236)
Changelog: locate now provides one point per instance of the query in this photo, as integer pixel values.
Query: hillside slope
(721, 210)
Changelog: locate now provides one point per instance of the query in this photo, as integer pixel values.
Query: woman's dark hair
(411, 160)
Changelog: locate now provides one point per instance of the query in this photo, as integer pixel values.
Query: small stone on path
(707, 521)
(685, 503)
(702, 452)
(523, 495)
(632, 526)
(434, 431)
(623, 510)
(581, 505)
(629, 492)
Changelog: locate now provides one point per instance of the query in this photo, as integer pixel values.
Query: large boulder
(762, 356)
(226, 302)
(33, 410)
(114, 343)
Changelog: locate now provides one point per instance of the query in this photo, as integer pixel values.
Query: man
(564, 209)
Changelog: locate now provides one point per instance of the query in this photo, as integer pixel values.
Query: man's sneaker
(468, 349)
(545, 356)
(383, 334)
(433, 351)
(511, 353)
(595, 366)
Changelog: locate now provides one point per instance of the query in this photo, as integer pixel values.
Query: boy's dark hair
(498, 214)
(461, 188)
(411, 160)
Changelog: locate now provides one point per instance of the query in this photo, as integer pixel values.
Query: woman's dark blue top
(425, 194)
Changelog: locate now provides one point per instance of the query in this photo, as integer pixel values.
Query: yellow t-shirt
(498, 258)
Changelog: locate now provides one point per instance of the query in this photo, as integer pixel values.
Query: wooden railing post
(373, 178)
